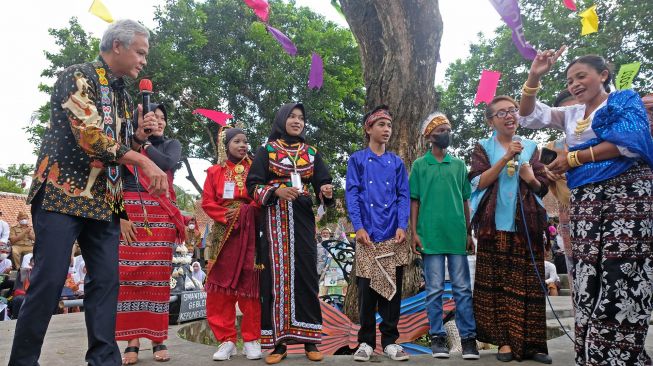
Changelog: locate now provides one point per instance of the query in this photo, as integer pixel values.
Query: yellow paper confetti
(589, 20)
(98, 9)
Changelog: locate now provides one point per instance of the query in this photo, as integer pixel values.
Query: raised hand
(544, 61)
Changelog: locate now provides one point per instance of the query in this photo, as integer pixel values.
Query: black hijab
(279, 125)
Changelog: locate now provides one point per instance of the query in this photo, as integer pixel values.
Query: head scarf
(230, 134)
(199, 274)
(552, 230)
(433, 121)
(279, 125)
(224, 136)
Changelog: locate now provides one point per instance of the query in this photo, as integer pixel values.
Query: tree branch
(191, 177)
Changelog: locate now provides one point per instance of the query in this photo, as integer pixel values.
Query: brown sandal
(159, 348)
(130, 360)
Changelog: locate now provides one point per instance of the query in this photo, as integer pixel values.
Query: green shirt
(441, 189)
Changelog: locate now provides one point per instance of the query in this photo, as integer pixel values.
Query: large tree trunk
(399, 44)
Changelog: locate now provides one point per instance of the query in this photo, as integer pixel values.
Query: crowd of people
(104, 179)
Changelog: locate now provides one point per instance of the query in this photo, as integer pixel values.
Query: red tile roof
(11, 204)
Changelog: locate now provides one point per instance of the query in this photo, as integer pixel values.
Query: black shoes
(504, 356)
(470, 351)
(439, 347)
(542, 358)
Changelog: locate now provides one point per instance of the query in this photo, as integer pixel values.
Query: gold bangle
(592, 153)
(570, 159)
(524, 92)
(527, 90)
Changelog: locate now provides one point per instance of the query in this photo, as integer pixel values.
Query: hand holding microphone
(147, 121)
(514, 149)
(145, 86)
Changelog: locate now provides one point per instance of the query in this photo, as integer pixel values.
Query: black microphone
(515, 158)
(145, 85)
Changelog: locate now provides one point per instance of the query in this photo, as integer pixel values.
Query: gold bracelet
(524, 92)
(592, 153)
(527, 90)
(569, 159)
(572, 159)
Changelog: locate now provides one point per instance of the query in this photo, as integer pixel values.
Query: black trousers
(389, 310)
(55, 235)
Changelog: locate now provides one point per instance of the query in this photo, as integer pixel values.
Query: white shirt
(6, 263)
(566, 119)
(4, 232)
(560, 242)
(26, 259)
(550, 275)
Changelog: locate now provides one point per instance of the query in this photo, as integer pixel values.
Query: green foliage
(8, 185)
(74, 46)
(185, 200)
(623, 37)
(17, 172)
(11, 178)
(216, 55)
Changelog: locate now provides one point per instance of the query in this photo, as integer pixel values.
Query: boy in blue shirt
(378, 201)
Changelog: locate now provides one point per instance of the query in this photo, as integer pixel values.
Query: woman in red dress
(145, 254)
(233, 277)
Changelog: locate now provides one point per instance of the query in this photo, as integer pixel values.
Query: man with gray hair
(76, 193)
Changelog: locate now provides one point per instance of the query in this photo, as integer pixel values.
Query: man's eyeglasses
(503, 113)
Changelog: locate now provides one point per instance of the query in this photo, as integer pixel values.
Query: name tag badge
(296, 180)
(229, 190)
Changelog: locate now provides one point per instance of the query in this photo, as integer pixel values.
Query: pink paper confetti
(487, 86)
(316, 75)
(215, 116)
(261, 8)
(570, 4)
(283, 40)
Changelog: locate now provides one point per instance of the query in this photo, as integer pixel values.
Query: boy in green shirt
(439, 217)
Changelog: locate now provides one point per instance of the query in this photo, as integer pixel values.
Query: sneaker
(470, 352)
(363, 353)
(439, 347)
(396, 352)
(252, 350)
(225, 351)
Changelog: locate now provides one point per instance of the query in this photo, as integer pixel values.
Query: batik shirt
(81, 145)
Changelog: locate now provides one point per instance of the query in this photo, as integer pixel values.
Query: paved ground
(65, 344)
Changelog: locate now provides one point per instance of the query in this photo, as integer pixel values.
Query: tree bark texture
(399, 43)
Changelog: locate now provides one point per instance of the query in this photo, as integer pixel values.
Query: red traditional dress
(145, 264)
(233, 277)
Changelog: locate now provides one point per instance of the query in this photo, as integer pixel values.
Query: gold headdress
(221, 146)
(433, 121)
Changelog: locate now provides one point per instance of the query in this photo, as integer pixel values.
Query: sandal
(130, 360)
(159, 348)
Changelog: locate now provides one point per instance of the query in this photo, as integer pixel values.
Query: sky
(24, 37)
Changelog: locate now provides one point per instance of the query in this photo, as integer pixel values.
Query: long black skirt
(290, 310)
